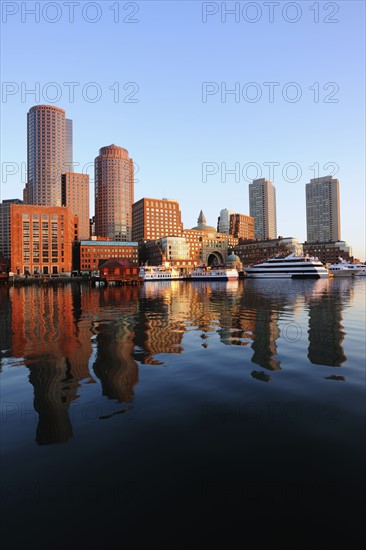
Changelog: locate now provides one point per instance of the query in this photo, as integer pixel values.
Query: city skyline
(189, 137)
(114, 171)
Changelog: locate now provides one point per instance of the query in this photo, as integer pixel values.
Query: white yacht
(159, 273)
(342, 270)
(355, 269)
(203, 273)
(291, 267)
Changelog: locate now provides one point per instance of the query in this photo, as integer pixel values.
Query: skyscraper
(322, 210)
(262, 207)
(69, 146)
(114, 193)
(46, 154)
(75, 195)
(223, 222)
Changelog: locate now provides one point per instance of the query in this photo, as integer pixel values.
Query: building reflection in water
(326, 332)
(167, 310)
(5, 323)
(53, 330)
(162, 308)
(114, 364)
(264, 308)
(53, 392)
(55, 349)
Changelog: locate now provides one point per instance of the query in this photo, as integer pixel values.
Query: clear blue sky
(170, 132)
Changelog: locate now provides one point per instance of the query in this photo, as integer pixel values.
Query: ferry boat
(290, 267)
(203, 273)
(159, 273)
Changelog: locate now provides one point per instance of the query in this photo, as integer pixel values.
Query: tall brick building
(49, 152)
(75, 195)
(114, 193)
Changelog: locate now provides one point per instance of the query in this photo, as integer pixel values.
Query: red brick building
(41, 239)
(119, 271)
(93, 252)
(75, 195)
(156, 218)
(114, 193)
(242, 226)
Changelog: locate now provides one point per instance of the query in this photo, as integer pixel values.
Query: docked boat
(203, 273)
(290, 267)
(342, 270)
(356, 269)
(159, 273)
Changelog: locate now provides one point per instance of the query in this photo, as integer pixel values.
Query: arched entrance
(215, 258)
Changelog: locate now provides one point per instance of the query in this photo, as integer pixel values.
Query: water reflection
(326, 332)
(159, 321)
(53, 391)
(114, 365)
(5, 323)
(72, 336)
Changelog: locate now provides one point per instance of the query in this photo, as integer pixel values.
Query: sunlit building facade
(114, 193)
(323, 210)
(46, 154)
(41, 239)
(256, 251)
(207, 246)
(93, 252)
(223, 222)
(329, 252)
(75, 195)
(262, 207)
(156, 218)
(5, 227)
(241, 226)
(174, 250)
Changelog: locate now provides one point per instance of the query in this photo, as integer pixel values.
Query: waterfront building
(156, 218)
(256, 251)
(329, 252)
(5, 228)
(174, 250)
(223, 221)
(75, 195)
(114, 193)
(41, 239)
(262, 207)
(48, 147)
(93, 252)
(119, 270)
(233, 262)
(242, 226)
(207, 246)
(323, 210)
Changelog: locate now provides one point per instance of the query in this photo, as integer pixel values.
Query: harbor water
(184, 415)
